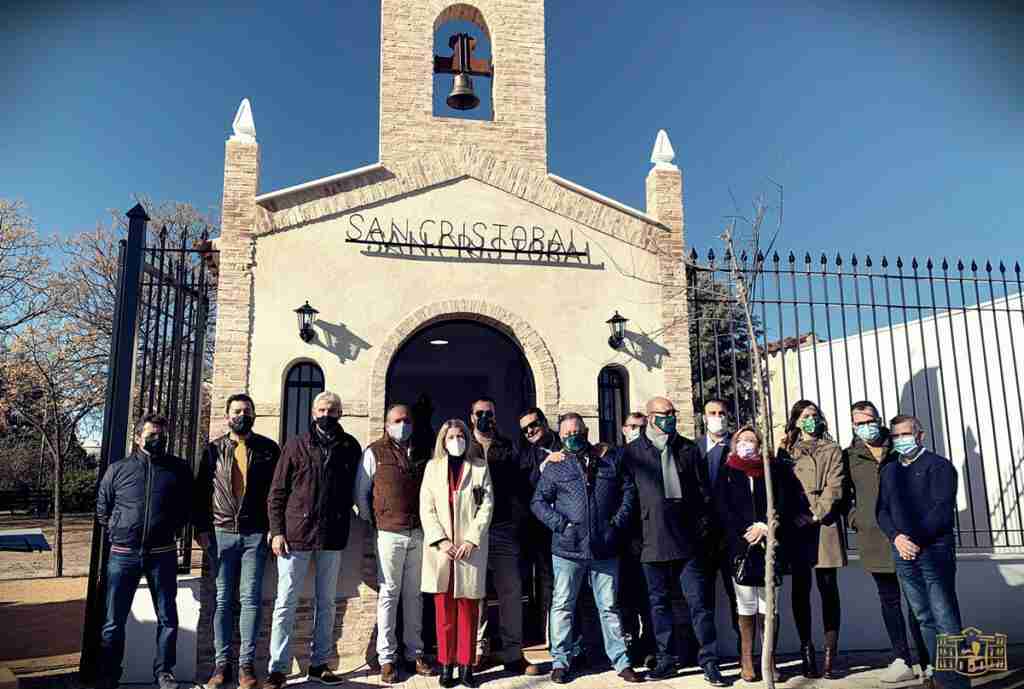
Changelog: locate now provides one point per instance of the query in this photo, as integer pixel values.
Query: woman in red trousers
(456, 502)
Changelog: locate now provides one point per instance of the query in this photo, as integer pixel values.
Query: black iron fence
(935, 339)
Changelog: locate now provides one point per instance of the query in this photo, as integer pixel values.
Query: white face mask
(632, 434)
(456, 446)
(715, 424)
(400, 432)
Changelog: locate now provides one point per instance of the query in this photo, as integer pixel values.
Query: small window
(304, 382)
(612, 403)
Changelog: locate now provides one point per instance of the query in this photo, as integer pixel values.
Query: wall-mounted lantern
(618, 327)
(306, 314)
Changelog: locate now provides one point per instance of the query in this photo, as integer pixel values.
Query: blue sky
(893, 129)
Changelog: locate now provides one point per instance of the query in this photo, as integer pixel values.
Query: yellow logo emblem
(971, 653)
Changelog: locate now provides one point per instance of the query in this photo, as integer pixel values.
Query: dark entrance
(441, 370)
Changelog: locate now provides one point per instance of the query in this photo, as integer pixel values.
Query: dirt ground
(77, 542)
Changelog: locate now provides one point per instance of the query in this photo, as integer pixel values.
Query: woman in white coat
(456, 503)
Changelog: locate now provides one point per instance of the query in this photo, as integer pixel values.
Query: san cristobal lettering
(465, 240)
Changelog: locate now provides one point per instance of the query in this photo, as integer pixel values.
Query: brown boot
(829, 669)
(388, 673)
(247, 677)
(747, 625)
(220, 677)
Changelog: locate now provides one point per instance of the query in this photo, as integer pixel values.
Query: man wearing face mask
(504, 535)
(676, 508)
(143, 501)
(714, 450)
(916, 511)
(231, 524)
(587, 501)
(387, 494)
(310, 508)
(865, 458)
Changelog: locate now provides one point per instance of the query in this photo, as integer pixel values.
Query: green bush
(80, 490)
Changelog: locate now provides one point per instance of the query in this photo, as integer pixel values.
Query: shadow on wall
(340, 341)
(644, 349)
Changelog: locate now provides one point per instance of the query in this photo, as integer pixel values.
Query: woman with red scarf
(741, 497)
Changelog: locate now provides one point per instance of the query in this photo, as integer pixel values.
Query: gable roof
(342, 193)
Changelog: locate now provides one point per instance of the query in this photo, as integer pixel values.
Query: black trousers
(889, 596)
(828, 588)
(720, 566)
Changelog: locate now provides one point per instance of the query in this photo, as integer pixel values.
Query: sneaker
(247, 678)
(651, 661)
(276, 680)
(713, 676)
(630, 676)
(560, 675)
(221, 676)
(166, 680)
(928, 678)
(898, 671)
(522, 667)
(322, 674)
(662, 670)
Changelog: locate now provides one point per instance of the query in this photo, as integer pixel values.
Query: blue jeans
(240, 560)
(124, 572)
(692, 581)
(929, 583)
(604, 581)
(291, 575)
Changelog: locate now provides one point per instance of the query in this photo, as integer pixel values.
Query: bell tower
(515, 29)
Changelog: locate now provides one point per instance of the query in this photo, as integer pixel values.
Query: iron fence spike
(839, 259)
(759, 257)
(1002, 267)
(913, 262)
(775, 257)
(743, 256)
(693, 255)
(807, 257)
(945, 263)
(1016, 267)
(929, 265)
(792, 258)
(868, 262)
(885, 262)
(899, 262)
(960, 264)
(988, 266)
(711, 254)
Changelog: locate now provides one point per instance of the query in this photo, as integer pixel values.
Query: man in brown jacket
(310, 505)
(387, 495)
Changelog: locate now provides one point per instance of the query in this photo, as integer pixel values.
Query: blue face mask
(574, 443)
(905, 445)
(868, 432)
(667, 424)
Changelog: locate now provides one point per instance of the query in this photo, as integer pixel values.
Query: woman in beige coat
(818, 541)
(456, 503)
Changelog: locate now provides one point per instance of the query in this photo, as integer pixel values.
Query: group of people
(660, 510)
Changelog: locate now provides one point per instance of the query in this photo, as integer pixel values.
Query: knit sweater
(918, 499)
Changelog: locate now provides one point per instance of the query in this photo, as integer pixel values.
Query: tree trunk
(58, 514)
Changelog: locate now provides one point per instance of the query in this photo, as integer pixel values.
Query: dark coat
(310, 500)
(511, 497)
(143, 501)
(863, 476)
(216, 505)
(741, 507)
(718, 455)
(588, 518)
(919, 500)
(672, 529)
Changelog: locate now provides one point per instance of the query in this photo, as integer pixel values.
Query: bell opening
(462, 96)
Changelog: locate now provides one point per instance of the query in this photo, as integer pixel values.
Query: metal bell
(462, 96)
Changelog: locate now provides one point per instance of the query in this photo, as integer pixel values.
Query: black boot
(466, 676)
(808, 660)
(830, 671)
(448, 676)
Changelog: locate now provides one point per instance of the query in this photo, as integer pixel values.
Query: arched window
(612, 403)
(462, 19)
(304, 382)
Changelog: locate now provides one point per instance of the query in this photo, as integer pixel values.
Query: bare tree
(746, 282)
(23, 269)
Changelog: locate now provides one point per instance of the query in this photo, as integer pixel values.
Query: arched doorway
(452, 362)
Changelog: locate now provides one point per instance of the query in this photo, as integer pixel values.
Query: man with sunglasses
(672, 485)
(510, 513)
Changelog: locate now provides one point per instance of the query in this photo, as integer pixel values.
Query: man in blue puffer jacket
(143, 502)
(587, 501)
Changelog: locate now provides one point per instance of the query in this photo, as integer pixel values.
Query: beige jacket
(818, 465)
(471, 524)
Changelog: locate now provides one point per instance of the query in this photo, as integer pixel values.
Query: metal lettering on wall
(468, 242)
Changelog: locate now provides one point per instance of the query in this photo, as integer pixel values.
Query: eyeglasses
(667, 412)
(534, 425)
(482, 413)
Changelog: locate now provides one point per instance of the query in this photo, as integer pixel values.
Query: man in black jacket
(310, 510)
(143, 501)
(510, 512)
(714, 450)
(676, 511)
(231, 524)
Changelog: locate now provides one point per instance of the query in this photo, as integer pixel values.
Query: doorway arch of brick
(545, 374)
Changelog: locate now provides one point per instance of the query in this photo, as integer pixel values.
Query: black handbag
(748, 568)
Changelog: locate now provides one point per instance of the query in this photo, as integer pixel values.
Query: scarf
(753, 467)
(669, 473)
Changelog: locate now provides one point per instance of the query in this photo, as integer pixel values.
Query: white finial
(663, 153)
(243, 126)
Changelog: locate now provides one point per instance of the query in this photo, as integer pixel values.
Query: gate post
(665, 203)
(116, 423)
